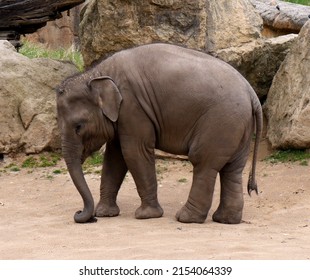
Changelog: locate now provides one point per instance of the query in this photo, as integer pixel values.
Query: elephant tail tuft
(252, 185)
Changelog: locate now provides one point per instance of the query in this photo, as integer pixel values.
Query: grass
(92, 164)
(302, 2)
(182, 180)
(51, 160)
(93, 161)
(45, 160)
(33, 50)
(12, 167)
(301, 156)
(32, 162)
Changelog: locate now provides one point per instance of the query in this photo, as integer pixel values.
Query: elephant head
(86, 110)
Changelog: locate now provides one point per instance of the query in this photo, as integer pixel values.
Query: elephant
(166, 97)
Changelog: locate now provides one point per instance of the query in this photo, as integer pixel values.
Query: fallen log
(27, 16)
(281, 16)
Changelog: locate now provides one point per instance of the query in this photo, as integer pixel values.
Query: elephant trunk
(74, 166)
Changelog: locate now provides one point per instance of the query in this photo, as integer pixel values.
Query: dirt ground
(37, 207)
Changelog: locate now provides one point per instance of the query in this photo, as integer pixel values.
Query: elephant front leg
(200, 197)
(140, 160)
(113, 172)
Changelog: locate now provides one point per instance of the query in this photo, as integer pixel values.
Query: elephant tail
(258, 116)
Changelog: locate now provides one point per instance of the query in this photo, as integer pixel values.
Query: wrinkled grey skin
(170, 98)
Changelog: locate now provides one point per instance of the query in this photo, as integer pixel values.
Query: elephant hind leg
(200, 197)
(231, 200)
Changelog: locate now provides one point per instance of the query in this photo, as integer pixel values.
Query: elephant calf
(170, 98)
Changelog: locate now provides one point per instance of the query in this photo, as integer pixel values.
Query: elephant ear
(109, 97)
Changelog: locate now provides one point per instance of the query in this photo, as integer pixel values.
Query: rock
(258, 61)
(60, 33)
(124, 24)
(27, 101)
(108, 26)
(231, 24)
(288, 103)
(41, 135)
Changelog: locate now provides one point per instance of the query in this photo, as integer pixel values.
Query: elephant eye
(78, 129)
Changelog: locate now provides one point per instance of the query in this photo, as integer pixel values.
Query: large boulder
(27, 101)
(288, 103)
(108, 26)
(230, 24)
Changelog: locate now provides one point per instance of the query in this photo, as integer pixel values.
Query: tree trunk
(282, 17)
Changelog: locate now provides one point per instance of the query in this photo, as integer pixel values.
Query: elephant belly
(173, 145)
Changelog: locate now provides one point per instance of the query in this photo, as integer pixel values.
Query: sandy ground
(37, 207)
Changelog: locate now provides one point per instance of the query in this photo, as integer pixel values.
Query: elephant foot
(148, 212)
(104, 210)
(186, 215)
(226, 217)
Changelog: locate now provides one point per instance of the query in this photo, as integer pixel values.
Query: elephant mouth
(83, 157)
(86, 154)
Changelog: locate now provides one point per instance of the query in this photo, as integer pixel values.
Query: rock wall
(120, 24)
(230, 24)
(108, 26)
(27, 101)
(288, 103)
(60, 33)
